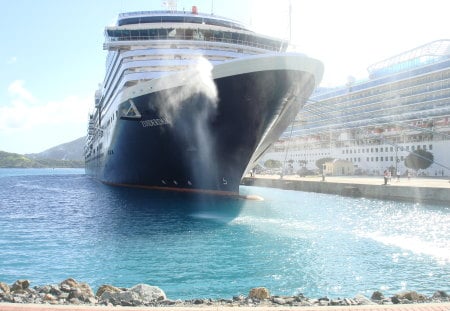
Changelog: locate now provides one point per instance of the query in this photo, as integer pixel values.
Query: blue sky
(51, 57)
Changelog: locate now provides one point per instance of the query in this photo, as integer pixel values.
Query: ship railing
(416, 95)
(110, 41)
(373, 82)
(374, 121)
(223, 19)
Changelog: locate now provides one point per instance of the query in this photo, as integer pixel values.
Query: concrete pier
(429, 190)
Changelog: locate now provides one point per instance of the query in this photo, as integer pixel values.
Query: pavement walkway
(428, 182)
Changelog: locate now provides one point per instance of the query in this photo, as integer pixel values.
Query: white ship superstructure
(374, 124)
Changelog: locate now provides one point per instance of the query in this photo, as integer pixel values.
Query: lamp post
(396, 159)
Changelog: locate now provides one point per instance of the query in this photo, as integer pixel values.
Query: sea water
(59, 223)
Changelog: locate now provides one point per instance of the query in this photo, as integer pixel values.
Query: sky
(51, 56)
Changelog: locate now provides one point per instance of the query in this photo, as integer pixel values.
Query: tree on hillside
(321, 162)
(272, 163)
(419, 160)
(15, 160)
(302, 163)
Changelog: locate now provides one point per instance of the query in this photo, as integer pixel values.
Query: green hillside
(68, 151)
(15, 160)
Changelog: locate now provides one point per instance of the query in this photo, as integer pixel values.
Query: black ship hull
(201, 144)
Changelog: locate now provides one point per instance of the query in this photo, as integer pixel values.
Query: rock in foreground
(72, 292)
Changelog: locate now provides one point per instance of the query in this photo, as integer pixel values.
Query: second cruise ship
(375, 123)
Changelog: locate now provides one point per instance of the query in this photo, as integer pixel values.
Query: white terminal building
(403, 106)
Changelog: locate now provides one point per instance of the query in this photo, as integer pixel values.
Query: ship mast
(290, 21)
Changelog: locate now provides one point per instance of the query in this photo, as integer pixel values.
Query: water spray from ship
(189, 111)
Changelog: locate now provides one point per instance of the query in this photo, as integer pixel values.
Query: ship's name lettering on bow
(154, 122)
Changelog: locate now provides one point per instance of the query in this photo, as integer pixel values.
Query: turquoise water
(56, 224)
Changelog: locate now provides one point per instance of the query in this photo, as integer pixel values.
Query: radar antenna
(170, 5)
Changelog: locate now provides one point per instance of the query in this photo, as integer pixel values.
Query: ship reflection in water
(172, 208)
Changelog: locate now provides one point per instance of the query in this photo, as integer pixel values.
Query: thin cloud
(18, 92)
(25, 112)
(12, 60)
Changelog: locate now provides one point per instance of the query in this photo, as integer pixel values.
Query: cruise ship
(191, 101)
(403, 106)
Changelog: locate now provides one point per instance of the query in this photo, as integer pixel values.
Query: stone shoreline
(71, 292)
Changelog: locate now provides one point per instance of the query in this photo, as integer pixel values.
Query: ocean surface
(59, 223)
